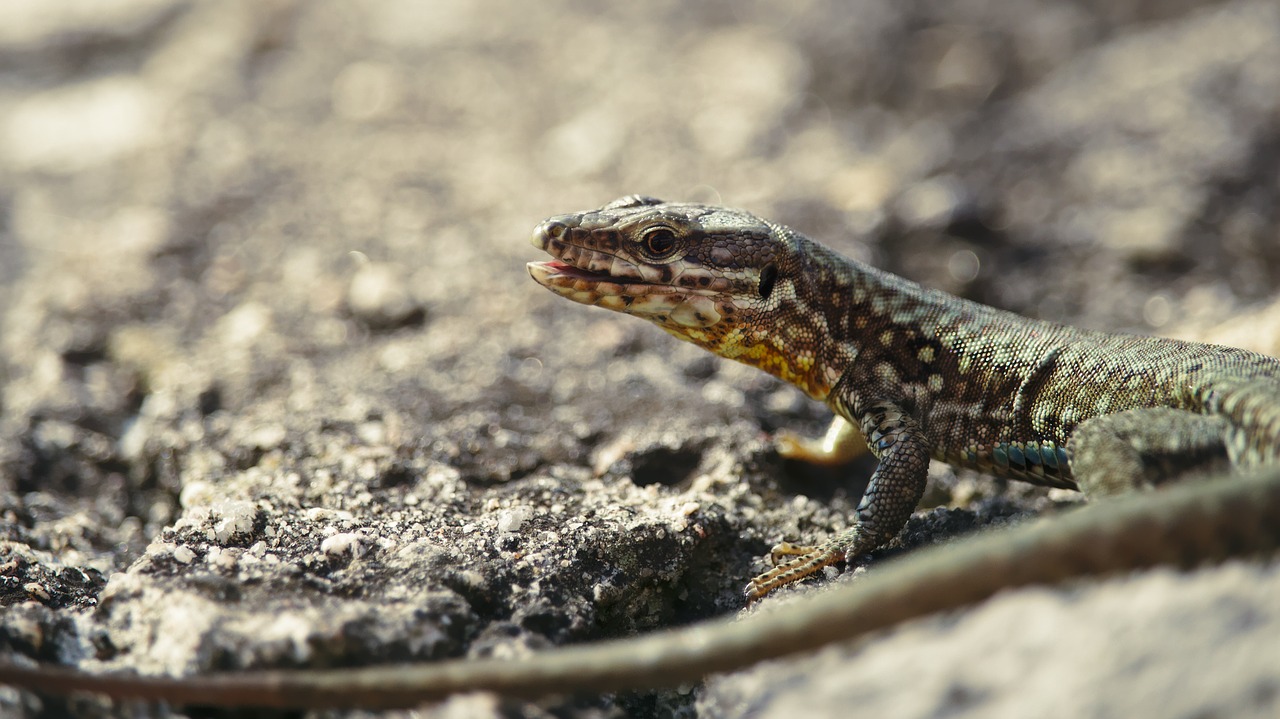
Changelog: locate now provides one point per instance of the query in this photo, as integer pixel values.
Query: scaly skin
(921, 374)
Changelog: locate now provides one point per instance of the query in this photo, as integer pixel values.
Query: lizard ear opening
(768, 276)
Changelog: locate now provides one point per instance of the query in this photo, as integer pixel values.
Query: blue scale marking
(1016, 456)
(1050, 457)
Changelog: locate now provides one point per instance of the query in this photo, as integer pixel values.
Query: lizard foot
(808, 562)
(842, 444)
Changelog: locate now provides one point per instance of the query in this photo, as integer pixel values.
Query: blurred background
(240, 221)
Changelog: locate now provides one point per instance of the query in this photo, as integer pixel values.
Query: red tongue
(565, 268)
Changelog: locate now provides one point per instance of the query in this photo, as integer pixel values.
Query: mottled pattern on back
(999, 392)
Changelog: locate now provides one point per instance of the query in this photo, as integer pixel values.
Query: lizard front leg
(895, 489)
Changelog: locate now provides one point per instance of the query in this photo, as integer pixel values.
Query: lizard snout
(551, 229)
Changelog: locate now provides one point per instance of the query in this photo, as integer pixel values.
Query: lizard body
(912, 372)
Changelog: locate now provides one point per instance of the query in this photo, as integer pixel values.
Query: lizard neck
(833, 317)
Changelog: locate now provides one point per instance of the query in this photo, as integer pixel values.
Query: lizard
(914, 374)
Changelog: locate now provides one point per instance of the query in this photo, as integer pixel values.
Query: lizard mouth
(555, 270)
(564, 278)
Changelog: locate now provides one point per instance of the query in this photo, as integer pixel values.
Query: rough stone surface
(1171, 646)
(276, 391)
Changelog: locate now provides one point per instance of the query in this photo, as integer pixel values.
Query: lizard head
(708, 275)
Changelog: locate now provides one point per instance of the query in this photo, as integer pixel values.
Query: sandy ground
(276, 389)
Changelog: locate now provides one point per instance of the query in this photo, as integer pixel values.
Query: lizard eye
(660, 241)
